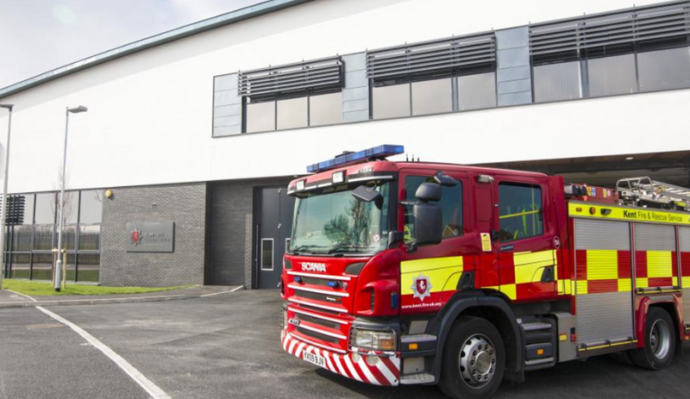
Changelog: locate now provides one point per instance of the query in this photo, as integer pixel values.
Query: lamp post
(3, 210)
(61, 208)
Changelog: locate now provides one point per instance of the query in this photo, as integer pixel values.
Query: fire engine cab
(429, 273)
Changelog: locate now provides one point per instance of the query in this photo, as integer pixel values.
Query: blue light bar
(352, 158)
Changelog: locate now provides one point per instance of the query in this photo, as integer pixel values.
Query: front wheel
(473, 360)
(660, 342)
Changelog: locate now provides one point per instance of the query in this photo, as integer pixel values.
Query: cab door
(429, 275)
(525, 233)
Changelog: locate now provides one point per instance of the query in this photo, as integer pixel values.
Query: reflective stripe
(367, 373)
(385, 372)
(318, 316)
(321, 276)
(351, 368)
(318, 291)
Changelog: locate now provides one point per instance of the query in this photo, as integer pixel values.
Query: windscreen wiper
(303, 247)
(339, 248)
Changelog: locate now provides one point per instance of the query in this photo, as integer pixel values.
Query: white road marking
(151, 388)
(20, 294)
(224, 292)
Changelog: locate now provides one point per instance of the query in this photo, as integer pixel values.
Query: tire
(473, 360)
(659, 342)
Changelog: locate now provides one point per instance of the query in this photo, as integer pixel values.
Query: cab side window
(451, 207)
(520, 211)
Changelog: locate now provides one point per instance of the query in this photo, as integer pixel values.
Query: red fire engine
(429, 273)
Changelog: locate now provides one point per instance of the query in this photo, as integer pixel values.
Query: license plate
(314, 359)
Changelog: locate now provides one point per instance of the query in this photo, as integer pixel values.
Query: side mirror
(428, 221)
(367, 194)
(445, 180)
(429, 192)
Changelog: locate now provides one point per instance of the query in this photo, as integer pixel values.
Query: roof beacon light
(351, 158)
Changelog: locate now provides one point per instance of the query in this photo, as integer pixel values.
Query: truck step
(536, 362)
(534, 326)
(407, 339)
(415, 379)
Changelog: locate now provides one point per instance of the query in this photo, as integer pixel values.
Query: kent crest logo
(421, 287)
(135, 237)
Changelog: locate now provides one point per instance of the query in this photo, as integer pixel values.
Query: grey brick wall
(183, 204)
(232, 230)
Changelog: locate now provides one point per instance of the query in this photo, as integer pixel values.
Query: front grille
(318, 321)
(319, 297)
(315, 281)
(313, 308)
(316, 335)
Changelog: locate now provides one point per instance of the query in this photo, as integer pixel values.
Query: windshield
(334, 221)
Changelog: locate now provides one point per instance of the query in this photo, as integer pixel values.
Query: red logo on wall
(136, 237)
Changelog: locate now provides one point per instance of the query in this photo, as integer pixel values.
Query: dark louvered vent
(461, 53)
(286, 79)
(611, 32)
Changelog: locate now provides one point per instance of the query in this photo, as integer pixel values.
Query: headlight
(377, 340)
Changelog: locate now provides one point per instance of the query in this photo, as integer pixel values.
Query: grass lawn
(32, 288)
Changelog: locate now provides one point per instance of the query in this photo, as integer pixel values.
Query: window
(612, 75)
(90, 238)
(557, 82)
(326, 109)
(28, 216)
(21, 266)
(45, 208)
(20, 238)
(663, 70)
(91, 207)
(293, 113)
(43, 238)
(391, 101)
(451, 207)
(267, 254)
(88, 268)
(261, 116)
(42, 267)
(520, 212)
(476, 91)
(71, 208)
(432, 97)
(30, 245)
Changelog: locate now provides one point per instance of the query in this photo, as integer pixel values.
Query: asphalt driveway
(228, 346)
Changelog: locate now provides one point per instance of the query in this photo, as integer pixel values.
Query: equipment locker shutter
(602, 284)
(685, 270)
(655, 256)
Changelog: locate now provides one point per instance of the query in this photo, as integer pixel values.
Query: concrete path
(10, 299)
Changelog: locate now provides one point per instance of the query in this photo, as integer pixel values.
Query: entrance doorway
(274, 224)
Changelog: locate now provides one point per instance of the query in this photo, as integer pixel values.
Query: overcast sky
(39, 35)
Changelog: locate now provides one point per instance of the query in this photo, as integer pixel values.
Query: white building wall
(149, 119)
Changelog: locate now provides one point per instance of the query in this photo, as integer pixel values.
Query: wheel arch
(496, 311)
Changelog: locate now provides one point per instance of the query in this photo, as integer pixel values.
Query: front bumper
(383, 370)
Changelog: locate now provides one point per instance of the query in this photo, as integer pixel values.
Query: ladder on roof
(643, 191)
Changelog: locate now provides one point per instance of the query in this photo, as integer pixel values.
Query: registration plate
(314, 359)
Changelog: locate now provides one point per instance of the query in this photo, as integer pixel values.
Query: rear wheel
(473, 360)
(660, 342)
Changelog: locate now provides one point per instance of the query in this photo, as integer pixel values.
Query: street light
(3, 210)
(58, 266)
